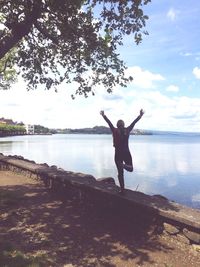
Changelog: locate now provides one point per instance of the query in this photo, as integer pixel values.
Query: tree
(6, 129)
(41, 129)
(8, 74)
(55, 41)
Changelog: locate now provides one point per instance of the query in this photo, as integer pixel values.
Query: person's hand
(102, 113)
(141, 112)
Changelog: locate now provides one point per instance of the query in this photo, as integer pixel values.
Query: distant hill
(106, 130)
(174, 133)
(101, 130)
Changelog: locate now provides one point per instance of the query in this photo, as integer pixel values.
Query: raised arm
(107, 120)
(130, 127)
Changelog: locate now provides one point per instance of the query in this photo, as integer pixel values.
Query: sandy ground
(72, 234)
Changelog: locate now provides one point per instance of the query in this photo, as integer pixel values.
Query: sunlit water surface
(163, 164)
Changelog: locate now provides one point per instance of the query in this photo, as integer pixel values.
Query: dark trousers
(123, 156)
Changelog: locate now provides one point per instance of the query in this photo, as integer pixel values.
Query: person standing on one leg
(123, 159)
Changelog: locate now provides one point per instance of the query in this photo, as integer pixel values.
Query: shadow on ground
(67, 231)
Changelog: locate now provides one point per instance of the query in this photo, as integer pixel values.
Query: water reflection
(166, 165)
(170, 169)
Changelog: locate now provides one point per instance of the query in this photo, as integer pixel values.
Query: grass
(11, 257)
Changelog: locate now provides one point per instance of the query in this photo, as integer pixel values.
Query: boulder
(192, 236)
(107, 180)
(170, 229)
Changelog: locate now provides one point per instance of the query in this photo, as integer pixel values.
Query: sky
(166, 72)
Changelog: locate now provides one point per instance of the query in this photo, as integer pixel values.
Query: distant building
(30, 129)
(7, 121)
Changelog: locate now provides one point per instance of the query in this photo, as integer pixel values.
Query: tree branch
(46, 33)
(19, 29)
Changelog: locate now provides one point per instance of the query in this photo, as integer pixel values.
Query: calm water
(164, 164)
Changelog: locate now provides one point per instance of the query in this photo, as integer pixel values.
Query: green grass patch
(11, 257)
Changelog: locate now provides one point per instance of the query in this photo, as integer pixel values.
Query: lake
(163, 164)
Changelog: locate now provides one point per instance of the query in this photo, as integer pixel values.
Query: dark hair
(120, 124)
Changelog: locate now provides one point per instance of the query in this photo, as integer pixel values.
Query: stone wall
(178, 221)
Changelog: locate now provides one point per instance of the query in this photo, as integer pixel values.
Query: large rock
(170, 229)
(107, 180)
(192, 236)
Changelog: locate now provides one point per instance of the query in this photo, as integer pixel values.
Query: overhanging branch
(19, 30)
(46, 33)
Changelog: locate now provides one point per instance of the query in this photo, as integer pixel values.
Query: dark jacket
(121, 135)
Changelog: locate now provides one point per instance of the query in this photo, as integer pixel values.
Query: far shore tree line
(11, 130)
(7, 130)
(16, 129)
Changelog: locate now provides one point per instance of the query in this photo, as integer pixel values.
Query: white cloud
(161, 112)
(171, 14)
(186, 107)
(196, 72)
(187, 54)
(191, 54)
(166, 113)
(143, 78)
(172, 88)
(58, 110)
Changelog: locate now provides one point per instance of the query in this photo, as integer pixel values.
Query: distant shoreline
(98, 131)
(7, 135)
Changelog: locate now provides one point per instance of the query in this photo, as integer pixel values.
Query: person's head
(120, 124)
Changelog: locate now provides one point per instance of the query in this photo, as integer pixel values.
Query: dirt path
(39, 226)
